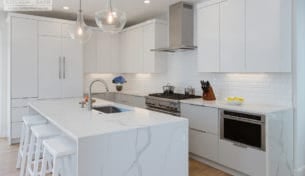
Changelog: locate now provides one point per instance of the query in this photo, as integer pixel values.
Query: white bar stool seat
(28, 122)
(62, 151)
(39, 133)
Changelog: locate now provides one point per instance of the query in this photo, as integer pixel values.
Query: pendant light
(110, 20)
(80, 31)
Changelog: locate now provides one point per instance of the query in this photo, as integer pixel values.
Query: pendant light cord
(110, 5)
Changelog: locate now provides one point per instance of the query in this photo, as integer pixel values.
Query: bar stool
(28, 122)
(39, 133)
(62, 151)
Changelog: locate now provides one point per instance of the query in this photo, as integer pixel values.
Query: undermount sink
(109, 109)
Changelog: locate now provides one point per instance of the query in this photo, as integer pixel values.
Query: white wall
(299, 86)
(182, 71)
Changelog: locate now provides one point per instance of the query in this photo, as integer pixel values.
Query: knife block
(209, 94)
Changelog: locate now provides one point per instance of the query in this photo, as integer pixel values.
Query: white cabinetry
(136, 43)
(246, 160)
(232, 36)
(44, 63)
(128, 51)
(108, 53)
(244, 36)
(132, 54)
(204, 135)
(268, 35)
(23, 74)
(208, 37)
(60, 64)
(24, 60)
(101, 53)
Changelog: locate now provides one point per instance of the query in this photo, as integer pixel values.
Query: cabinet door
(47, 28)
(208, 38)
(72, 66)
(24, 59)
(204, 145)
(90, 54)
(148, 44)
(125, 65)
(232, 36)
(50, 63)
(107, 53)
(135, 40)
(268, 35)
(242, 159)
(201, 118)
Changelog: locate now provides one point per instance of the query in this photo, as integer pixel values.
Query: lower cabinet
(247, 160)
(19, 108)
(203, 144)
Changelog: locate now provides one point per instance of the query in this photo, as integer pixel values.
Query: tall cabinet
(43, 63)
(60, 63)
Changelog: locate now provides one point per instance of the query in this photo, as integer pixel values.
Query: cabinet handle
(200, 131)
(59, 67)
(64, 67)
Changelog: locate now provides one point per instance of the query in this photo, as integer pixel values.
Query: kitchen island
(133, 142)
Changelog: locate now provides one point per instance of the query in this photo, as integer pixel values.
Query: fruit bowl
(235, 100)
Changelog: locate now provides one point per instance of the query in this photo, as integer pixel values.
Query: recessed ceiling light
(147, 1)
(66, 7)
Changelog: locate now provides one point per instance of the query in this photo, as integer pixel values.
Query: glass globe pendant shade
(110, 20)
(81, 31)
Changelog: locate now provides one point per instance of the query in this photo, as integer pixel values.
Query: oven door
(243, 132)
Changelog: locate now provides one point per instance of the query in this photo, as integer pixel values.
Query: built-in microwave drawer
(243, 129)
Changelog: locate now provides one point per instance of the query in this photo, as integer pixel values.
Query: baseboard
(300, 171)
(217, 166)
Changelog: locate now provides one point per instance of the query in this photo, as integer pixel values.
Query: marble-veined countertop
(246, 107)
(78, 122)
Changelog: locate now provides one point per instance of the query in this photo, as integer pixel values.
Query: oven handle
(243, 120)
(240, 145)
(163, 111)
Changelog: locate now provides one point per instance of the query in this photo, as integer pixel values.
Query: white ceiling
(136, 10)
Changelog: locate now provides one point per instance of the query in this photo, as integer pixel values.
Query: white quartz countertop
(78, 122)
(248, 108)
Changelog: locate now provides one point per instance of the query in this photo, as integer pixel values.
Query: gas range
(166, 103)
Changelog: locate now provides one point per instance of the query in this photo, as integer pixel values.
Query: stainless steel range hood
(181, 28)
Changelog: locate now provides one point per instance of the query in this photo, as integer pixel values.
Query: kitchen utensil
(168, 89)
(189, 91)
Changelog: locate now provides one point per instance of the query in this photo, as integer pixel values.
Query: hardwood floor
(8, 156)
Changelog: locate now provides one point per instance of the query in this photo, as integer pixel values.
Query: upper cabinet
(208, 37)
(136, 45)
(268, 35)
(24, 60)
(128, 51)
(101, 53)
(244, 36)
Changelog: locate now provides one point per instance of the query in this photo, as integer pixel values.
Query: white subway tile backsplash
(267, 88)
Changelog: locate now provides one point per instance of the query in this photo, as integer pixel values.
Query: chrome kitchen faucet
(90, 91)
